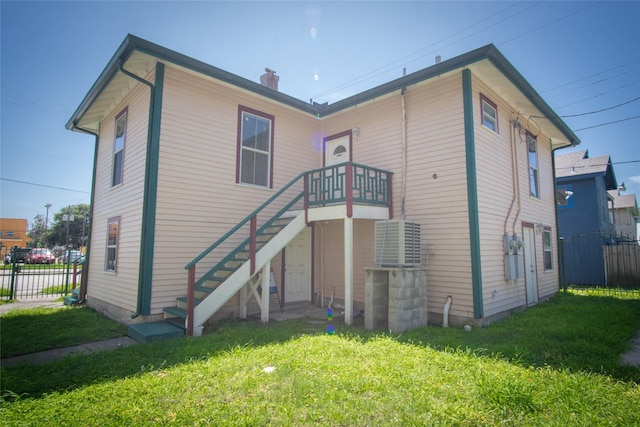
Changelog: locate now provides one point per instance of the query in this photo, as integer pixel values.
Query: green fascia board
(147, 240)
(472, 195)
(488, 52)
(132, 43)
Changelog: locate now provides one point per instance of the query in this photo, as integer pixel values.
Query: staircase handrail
(267, 203)
(244, 221)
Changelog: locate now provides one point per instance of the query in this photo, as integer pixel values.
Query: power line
(549, 23)
(586, 114)
(378, 71)
(43, 185)
(597, 164)
(608, 123)
(599, 95)
(597, 82)
(592, 75)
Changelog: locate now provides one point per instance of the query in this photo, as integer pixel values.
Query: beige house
(202, 179)
(623, 209)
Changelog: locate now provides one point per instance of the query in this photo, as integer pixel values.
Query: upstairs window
(118, 149)
(255, 148)
(113, 229)
(534, 181)
(489, 114)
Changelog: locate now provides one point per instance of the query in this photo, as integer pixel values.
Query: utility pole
(46, 221)
(67, 217)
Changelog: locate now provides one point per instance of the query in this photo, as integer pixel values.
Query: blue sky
(582, 57)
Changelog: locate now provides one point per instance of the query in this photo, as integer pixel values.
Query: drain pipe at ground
(152, 94)
(445, 313)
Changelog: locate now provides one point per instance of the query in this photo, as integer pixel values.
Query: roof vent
(269, 79)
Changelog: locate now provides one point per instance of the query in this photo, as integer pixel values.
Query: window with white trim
(547, 249)
(255, 146)
(534, 180)
(113, 229)
(489, 114)
(118, 149)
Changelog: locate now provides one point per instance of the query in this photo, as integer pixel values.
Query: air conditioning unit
(397, 243)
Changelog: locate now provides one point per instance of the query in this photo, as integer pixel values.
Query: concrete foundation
(395, 298)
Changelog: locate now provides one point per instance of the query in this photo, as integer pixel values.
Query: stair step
(176, 311)
(177, 321)
(154, 331)
(182, 302)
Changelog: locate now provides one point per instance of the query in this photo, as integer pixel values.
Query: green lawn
(31, 330)
(555, 364)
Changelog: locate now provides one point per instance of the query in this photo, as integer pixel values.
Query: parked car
(40, 256)
(20, 253)
(72, 256)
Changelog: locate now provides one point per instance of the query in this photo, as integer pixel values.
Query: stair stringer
(223, 293)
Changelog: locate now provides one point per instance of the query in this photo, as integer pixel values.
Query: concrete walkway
(630, 357)
(58, 353)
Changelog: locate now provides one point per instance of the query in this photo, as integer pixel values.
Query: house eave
(152, 53)
(146, 53)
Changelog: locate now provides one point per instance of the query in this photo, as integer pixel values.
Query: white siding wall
(124, 201)
(496, 196)
(436, 145)
(198, 199)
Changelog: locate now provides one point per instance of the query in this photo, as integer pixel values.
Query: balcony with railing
(346, 190)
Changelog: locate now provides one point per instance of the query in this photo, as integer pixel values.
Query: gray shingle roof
(579, 163)
(623, 201)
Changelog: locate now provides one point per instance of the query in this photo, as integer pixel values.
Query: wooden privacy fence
(600, 260)
(622, 265)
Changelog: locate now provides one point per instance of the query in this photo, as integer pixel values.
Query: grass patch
(292, 373)
(27, 331)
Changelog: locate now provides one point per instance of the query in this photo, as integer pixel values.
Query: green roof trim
(489, 52)
(472, 195)
(147, 238)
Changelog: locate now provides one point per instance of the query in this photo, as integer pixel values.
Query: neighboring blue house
(584, 222)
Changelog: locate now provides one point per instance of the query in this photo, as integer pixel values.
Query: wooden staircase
(347, 184)
(229, 277)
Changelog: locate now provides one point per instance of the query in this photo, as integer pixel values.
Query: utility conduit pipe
(445, 313)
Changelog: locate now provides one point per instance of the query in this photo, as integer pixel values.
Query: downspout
(403, 189)
(85, 274)
(145, 271)
(560, 251)
(445, 312)
(515, 161)
(514, 174)
(472, 195)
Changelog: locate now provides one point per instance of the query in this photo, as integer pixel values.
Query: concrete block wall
(395, 298)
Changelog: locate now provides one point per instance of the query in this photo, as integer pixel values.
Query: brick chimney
(269, 79)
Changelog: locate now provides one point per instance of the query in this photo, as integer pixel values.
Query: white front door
(297, 282)
(336, 151)
(530, 271)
